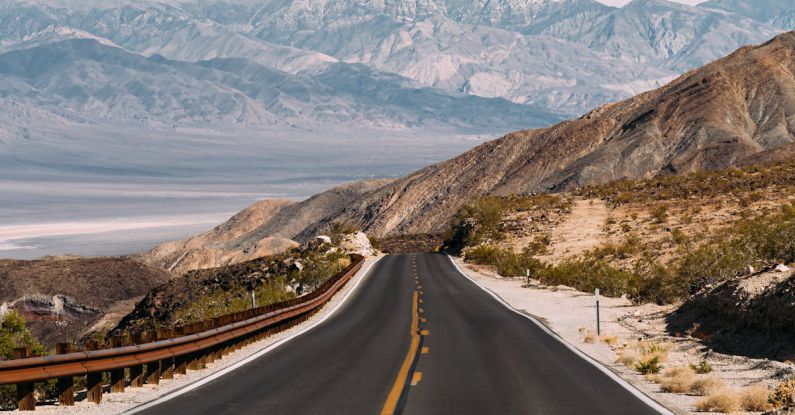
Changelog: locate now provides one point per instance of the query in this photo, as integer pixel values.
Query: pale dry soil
(132, 397)
(572, 315)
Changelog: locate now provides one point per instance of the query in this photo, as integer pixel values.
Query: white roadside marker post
(598, 328)
(528, 277)
(253, 299)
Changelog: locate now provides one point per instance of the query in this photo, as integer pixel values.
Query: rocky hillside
(65, 299)
(730, 111)
(264, 228)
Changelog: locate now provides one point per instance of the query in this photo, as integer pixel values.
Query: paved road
(474, 357)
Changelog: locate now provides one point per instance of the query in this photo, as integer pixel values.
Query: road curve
(417, 337)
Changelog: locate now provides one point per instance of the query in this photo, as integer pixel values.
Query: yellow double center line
(390, 406)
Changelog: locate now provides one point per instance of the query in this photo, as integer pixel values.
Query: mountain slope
(715, 117)
(86, 77)
(777, 13)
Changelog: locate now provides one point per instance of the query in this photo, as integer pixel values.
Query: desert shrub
(507, 262)
(650, 357)
(719, 401)
(588, 273)
(783, 395)
(707, 385)
(539, 245)
(648, 365)
(755, 398)
(703, 367)
(13, 334)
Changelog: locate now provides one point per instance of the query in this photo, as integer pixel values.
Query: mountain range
(487, 65)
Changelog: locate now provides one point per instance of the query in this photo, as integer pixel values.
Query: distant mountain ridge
(110, 83)
(732, 111)
(565, 55)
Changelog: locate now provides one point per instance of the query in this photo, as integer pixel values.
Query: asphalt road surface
(417, 337)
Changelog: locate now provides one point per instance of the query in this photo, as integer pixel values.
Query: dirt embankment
(751, 316)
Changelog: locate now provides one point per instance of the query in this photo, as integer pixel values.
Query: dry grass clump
(592, 337)
(723, 401)
(677, 380)
(646, 357)
(755, 398)
(707, 385)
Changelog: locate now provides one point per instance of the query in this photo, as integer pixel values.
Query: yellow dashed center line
(397, 388)
(416, 378)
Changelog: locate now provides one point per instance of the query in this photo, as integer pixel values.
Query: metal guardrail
(167, 351)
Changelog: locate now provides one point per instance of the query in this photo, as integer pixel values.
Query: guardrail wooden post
(93, 379)
(181, 362)
(117, 378)
(66, 385)
(25, 399)
(152, 368)
(167, 364)
(136, 372)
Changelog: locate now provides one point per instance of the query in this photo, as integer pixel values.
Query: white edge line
(256, 355)
(618, 379)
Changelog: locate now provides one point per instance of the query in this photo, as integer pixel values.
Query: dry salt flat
(572, 315)
(118, 403)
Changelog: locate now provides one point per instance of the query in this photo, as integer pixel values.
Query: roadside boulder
(322, 239)
(357, 243)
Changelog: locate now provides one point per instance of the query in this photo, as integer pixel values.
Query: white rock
(323, 239)
(782, 268)
(357, 243)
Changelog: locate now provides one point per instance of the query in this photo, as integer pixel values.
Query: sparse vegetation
(706, 184)
(703, 367)
(481, 221)
(507, 262)
(646, 357)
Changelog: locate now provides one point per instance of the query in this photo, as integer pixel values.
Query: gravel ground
(572, 315)
(133, 397)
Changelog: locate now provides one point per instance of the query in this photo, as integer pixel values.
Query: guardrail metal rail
(151, 356)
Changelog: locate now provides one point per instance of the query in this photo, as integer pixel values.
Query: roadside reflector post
(66, 385)
(598, 324)
(253, 298)
(527, 272)
(93, 379)
(25, 400)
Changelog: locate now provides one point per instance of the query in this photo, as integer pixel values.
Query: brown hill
(63, 298)
(714, 117)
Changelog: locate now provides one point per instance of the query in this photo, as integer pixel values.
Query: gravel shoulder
(119, 403)
(572, 315)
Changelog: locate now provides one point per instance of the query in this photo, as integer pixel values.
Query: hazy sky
(623, 2)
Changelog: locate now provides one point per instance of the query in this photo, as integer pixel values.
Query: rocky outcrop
(752, 316)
